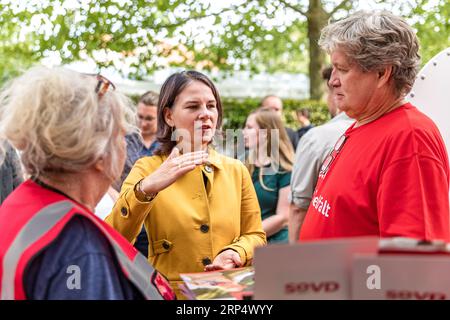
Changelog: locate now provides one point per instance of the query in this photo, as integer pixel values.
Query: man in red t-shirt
(389, 174)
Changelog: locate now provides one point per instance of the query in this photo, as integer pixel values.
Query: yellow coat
(188, 224)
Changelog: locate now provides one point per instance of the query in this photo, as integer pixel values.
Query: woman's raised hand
(175, 166)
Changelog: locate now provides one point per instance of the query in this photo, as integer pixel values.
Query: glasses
(103, 84)
(333, 154)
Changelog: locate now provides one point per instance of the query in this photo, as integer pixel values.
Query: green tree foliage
(16, 48)
(235, 111)
(433, 27)
(145, 35)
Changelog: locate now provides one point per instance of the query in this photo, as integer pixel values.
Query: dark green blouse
(268, 199)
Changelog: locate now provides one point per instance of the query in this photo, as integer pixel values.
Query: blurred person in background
(276, 104)
(10, 172)
(270, 164)
(303, 116)
(311, 152)
(141, 144)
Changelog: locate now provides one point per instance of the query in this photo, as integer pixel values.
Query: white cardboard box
(309, 270)
(402, 276)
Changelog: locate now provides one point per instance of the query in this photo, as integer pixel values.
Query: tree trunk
(317, 19)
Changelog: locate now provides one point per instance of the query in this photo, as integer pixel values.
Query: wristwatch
(141, 195)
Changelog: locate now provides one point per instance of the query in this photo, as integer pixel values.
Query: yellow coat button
(206, 261)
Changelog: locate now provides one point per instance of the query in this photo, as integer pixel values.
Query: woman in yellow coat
(199, 208)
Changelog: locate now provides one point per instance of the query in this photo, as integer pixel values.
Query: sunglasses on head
(103, 84)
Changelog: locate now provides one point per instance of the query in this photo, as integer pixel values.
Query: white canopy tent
(431, 93)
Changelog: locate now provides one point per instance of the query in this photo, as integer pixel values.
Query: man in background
(303, 116)
(10, 172)
(312, 150)
(276, 104)
(142, 145)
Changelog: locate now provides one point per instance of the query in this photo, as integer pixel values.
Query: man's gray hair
(375, 40)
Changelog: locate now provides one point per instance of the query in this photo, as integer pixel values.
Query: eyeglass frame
(333, 154)
(103, 84)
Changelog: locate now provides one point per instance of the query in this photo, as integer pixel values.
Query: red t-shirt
(389, 179)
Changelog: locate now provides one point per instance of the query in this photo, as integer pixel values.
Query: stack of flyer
(399, 245)
(234, 284)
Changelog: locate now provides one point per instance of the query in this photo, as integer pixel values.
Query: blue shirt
(300, 133)
(136, 149)
(51, 276)
(10, 173)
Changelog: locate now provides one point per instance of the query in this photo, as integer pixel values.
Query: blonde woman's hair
(269, 120)
(60, 124)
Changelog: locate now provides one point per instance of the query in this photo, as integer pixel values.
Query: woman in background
(270, 161)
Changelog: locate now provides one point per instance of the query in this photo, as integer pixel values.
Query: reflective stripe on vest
(41, 222)
(138, 271)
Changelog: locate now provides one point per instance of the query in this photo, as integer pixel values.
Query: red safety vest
(32, 217)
